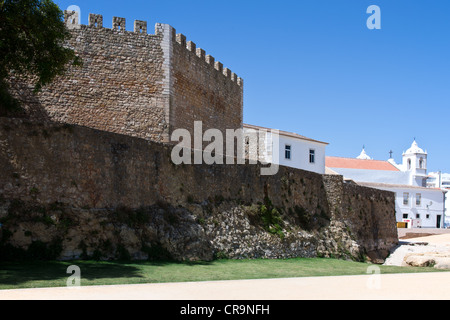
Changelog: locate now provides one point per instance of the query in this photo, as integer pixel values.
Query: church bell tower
(415, 162)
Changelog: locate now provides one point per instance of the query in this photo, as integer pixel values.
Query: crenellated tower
(136, 83)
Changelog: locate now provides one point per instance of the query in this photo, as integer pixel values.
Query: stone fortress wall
(81, 192)
(96, 178)
(139, 84)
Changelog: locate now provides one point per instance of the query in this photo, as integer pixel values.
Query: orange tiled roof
(350, 163)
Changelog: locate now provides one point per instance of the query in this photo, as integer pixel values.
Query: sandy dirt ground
(417, 286)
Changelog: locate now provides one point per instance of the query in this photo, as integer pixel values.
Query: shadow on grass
(17, 273)
(161, 263)
(55, 272)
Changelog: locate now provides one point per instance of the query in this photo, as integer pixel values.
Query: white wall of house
(287, 149)
(419, 203)
(301, 154)
(442, 180)
(446, 187)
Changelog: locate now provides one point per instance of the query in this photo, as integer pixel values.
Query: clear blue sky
(314, 68)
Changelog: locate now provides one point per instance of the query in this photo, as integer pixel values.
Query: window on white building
(428, 216)
(405, 216)
(421, 166)
(405, 198)
(417, 216)
(312, 156)
(287, 152)
(418, 199)
(409, 164)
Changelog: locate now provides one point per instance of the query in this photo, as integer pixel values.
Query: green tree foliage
(32, 44)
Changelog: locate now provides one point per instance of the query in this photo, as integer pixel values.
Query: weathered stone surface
(138, 84)
(107, 192)
(438, 260)
(97, 194)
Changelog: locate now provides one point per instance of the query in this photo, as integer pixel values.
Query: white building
(438, 180)
(288, 149)
(415, 203)
(424, 206)
(441, 180)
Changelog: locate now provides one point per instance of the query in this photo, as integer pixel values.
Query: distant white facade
(442, 181)
(438, 180)
(289, 149)
(415, 200)
(424, 206)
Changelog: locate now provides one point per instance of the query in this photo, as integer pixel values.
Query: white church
(416, 204)
(420, 202)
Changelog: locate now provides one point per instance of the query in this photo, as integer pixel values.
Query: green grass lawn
(15, 275)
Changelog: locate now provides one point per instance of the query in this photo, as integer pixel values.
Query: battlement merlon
(96, 20)
(200, 53)
(72, 21)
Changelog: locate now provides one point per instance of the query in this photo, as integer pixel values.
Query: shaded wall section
(122, 192)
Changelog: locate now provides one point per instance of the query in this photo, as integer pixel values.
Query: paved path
(438, 239)
(417, 286)
(404, 232)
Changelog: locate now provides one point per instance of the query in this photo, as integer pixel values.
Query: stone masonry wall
(138, 84)
(118, 89)
(203, 90)
(79, 192)
(373, 211)
(366, 213)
